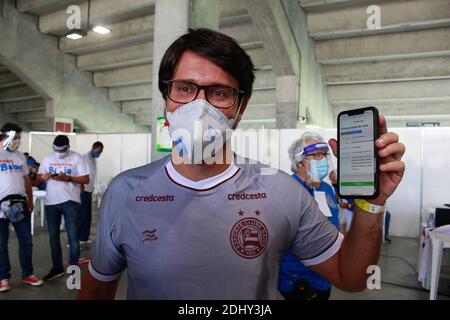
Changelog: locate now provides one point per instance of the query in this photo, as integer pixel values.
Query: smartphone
(358, 161)
(55, 175)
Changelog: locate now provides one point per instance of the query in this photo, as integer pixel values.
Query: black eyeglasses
(222, 97)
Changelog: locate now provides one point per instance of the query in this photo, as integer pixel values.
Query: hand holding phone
(358, 161)
(391, 168)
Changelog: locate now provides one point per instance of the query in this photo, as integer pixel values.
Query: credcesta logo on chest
(155, 198)
(10, 166)
(247, 196)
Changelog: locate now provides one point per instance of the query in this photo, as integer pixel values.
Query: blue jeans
(387, 223)
(23, 231)
(70, 210)
(85, 215)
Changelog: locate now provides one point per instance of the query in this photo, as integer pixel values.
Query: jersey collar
(201, 185)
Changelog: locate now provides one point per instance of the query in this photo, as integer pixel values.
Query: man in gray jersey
(188, 228)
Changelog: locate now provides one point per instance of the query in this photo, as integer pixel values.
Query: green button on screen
(358, 184)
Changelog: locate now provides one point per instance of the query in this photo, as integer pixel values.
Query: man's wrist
(378, 201)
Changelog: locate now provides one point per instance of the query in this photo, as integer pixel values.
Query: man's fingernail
(380, 141)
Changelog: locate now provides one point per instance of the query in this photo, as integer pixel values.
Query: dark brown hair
(218, 48)
(9, 127)
(97, 144)
(61, 141)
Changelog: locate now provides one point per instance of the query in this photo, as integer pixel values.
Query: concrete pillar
(171, 21)
(311, 81)
(205, 14)
(282, 53)
(287, 101)
(2, 9)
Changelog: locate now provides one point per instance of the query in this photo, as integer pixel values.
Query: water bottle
(430, 223)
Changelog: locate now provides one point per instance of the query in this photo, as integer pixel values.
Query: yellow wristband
(369, 207)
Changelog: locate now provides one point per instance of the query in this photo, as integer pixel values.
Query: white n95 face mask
(198, 130)
(14, 145)
(61, 152)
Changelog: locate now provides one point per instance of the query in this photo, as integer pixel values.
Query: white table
(424, 265)
(99, 191)
(424, 268)
(439, 241)
(38, 195)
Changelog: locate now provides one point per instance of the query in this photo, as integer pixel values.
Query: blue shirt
(291, 268)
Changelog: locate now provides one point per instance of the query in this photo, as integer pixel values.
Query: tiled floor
(398, 264)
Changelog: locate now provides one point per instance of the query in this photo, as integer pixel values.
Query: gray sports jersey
(224, 242)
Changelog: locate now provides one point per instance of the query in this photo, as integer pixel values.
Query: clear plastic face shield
(317, 161)
(11, 142)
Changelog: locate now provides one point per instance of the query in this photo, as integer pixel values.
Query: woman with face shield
(311, 164)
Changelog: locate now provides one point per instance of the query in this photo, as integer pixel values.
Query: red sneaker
(4, 285)
(33, 281)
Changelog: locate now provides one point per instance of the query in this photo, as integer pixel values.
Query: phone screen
(357, 157)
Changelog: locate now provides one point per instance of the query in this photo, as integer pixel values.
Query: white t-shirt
(61, 191)
(91, 166)
(13, 167)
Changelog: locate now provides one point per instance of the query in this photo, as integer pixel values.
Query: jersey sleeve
(107, 259)
(316, 239)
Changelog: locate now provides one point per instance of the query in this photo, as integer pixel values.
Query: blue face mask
(95, 154)
(318, 170)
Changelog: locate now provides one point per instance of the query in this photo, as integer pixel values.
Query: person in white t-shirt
(16, 205)
(86, 192)
(64, 171)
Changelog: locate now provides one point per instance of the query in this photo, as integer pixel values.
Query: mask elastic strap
(237, 114)
(299, 156)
